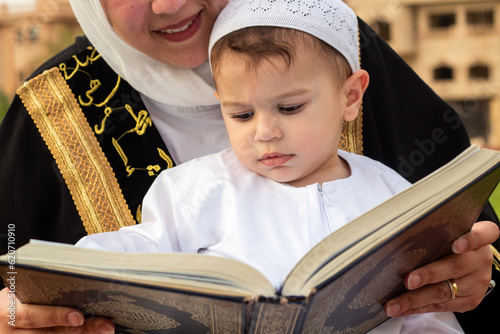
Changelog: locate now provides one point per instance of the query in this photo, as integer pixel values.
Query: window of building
(475, 114)
(483, 17)
(383, 28)
(438, 21)
(34, 32)
(479, 72)
(443, 73)
(20, 35)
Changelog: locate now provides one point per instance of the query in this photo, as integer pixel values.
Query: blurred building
(454, 45)
(29, 35)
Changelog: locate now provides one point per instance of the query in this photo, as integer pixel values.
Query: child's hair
(258, 30)
(266, 43)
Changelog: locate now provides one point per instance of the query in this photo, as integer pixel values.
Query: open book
(338, 286)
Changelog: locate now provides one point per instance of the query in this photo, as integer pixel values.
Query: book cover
(134, 308)
(352, 300)
(340, 286)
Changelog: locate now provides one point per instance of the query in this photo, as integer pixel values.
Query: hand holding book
(71, 320)
(365, 262)
(56, 319)
(471, 251)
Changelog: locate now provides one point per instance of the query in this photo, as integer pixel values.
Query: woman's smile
(181, 31)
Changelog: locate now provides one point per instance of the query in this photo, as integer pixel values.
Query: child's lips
(275, 159)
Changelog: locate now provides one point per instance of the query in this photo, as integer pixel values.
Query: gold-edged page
(193, 272)
(408, 204)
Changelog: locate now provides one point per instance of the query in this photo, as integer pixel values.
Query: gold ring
(490, 287)
(453, 288)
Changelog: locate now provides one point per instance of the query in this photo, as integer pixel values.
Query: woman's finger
(40, 316)
(455, 266)
(95, 326)
(46, 319)
(430, 292)
(438, 298)
(482, 234)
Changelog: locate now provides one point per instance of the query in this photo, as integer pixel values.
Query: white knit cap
(332, 21)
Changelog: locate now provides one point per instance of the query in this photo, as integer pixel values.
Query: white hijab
(146, 75)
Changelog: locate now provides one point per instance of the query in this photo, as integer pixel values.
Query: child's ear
(216, 94)
(354, 88)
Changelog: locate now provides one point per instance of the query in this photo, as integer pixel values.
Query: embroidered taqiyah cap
(329, 20)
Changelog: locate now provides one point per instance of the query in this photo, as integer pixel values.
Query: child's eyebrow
(293, 93)
(288, 94)
(233, 104)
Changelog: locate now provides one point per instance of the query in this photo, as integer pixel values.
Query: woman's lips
(181, 31)
(275, 159)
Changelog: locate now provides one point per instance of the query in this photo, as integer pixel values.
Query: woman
(160, 48)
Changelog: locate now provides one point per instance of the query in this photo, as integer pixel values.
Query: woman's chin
(185, 61)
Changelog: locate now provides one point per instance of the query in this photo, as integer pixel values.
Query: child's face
(284, 123)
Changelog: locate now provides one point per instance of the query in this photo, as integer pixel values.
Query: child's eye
(291, 109)
(242, 117)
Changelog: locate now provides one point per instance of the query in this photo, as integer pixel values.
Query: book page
(387, 219)
(194, 272)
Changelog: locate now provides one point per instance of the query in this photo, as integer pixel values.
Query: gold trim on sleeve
(83, 165)
(351, 138)
(496, 258)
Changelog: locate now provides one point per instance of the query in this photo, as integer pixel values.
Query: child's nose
(267, 129)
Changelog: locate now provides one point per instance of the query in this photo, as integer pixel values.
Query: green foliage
(65, 37)
(495, 200)
(4, 104)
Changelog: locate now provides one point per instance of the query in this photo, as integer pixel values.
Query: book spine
(277, 317)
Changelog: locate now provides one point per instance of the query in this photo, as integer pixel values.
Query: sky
(17, 2)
